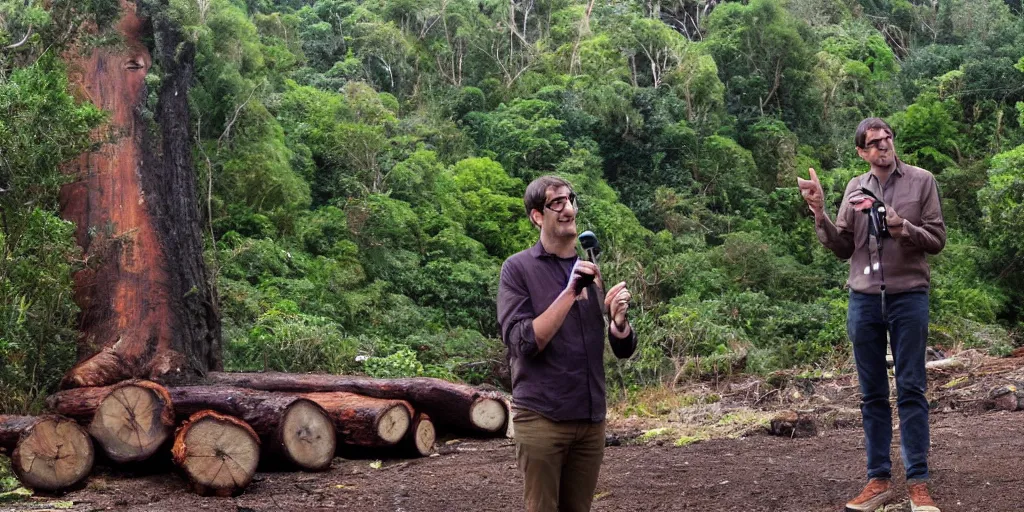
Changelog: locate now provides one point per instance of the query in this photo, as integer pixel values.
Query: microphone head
(588, 240)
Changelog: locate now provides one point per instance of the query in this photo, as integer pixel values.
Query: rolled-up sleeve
(622, 347)
(930, 236)
(515, 312)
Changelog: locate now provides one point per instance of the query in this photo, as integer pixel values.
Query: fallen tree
(448, 404)
(48, 453)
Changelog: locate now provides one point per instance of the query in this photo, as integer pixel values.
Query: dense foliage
(362, 165)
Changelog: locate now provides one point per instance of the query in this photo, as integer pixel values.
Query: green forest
(361, 166)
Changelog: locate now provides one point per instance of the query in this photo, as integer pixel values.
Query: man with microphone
(551, 307)
(889, 281)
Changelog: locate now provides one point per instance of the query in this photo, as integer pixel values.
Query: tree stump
(793, 424)
(365, 421)
(48, 453)
(218, 453)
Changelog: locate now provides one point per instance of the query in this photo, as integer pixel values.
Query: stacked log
(235, 421)
(364, 421)
(48, 453)
(293, 429)
(217, 452)
(451, 405)
(130, 420)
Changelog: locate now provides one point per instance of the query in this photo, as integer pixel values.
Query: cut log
(420, 439)
(448, 404)
(147, 310)
(48, 453)
(291, 428)
(365, 421)
(793, 424)
(218, 453)
(130, 420)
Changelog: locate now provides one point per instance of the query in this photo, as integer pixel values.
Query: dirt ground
(736, 466)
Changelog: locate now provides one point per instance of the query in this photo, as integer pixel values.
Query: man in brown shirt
(555, 339)
(889, 281)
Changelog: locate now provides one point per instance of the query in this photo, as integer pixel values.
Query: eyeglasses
(558, 204)
(874, 143)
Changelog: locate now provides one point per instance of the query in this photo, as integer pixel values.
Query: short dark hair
(536, 192)
(871, 123)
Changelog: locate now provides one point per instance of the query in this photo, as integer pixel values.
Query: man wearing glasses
(889, 281)
(555, 339)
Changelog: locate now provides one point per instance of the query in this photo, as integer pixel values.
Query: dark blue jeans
(908, 328)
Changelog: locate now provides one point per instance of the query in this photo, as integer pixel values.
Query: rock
(1006, 398)
(793, 424)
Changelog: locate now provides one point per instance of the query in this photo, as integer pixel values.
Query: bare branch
(19, 43)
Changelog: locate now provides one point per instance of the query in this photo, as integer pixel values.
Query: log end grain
(423, 435)
(218, 453)
(307, 436)
(53, 455)
(393, 424)
(488, 414)
(133, 421)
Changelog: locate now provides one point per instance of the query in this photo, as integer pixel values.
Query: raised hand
(617, 302)
(812, 192)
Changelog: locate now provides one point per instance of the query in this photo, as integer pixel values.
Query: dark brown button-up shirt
(565, 381)
(914, 195)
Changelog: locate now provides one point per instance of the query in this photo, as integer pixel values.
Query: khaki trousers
(560, 461)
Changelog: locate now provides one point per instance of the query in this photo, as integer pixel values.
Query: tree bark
(451, 405)
(293, 429)
(218, 453)
(48, 453)
(147, 308)
(363, 421)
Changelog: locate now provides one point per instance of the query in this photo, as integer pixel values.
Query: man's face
(560, 224)
(878, 149)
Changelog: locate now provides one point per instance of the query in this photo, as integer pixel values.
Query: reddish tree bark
(147, 308)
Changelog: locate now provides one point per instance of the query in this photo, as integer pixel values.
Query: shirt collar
(868, 177)
(538, 251)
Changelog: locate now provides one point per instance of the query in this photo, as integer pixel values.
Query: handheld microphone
(588, 240)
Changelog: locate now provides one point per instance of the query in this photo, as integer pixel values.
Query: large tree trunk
(448, 404)
(130, 420)
(291, 428)
(147, 308)
(218, 453)
(48, 453)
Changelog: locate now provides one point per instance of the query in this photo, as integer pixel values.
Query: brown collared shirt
(565, 381)
(914, 195)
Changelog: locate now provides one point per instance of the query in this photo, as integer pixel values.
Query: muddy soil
(975, 463)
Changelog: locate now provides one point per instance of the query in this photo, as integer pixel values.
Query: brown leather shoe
(875, 494)
(920, 500)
